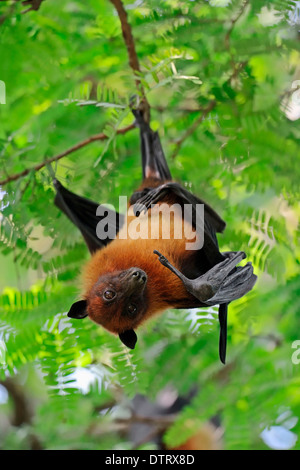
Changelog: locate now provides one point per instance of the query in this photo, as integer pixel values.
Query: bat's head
(117, 301)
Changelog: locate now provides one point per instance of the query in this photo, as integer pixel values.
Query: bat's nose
(139, 275)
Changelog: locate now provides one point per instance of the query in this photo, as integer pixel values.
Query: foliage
(67, 78)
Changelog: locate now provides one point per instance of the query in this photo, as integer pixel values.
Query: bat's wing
(219, 285)
(82, 212)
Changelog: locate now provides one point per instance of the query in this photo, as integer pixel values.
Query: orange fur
(122, 254)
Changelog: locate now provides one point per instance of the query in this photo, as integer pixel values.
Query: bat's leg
(165, 262)
(201, 290)
(220, 279)
(153, 159)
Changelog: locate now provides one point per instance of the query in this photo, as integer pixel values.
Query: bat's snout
(134, 280)
(139, 276)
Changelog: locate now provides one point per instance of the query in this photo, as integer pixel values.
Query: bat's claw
(152, 197)
(143, 204)
(138, 209)
(162, 259)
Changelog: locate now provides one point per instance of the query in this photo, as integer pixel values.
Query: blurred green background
(66, 72)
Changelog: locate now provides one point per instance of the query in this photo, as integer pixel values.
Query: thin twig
(233, 22)
(160, 421)
(185, 109)
(193, 127)
(76, 147)
(229, 32)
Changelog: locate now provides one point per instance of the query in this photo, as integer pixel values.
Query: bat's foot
(162, 259)
(144, 203)
(222, 283)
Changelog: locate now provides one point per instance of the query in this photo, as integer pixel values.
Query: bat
(128, 279)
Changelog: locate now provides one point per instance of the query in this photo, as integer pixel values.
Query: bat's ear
(78, 310)
(129, 338)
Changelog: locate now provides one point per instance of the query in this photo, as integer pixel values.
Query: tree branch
(134, 64)
(35, 5)
(157, 425)
(127, 35)
(132, 55)
(76, 147)
(23, 414)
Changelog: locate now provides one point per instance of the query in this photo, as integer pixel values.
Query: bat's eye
(109, 295)
(131, 309)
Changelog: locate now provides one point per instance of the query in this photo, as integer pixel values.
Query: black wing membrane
(82, 212)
